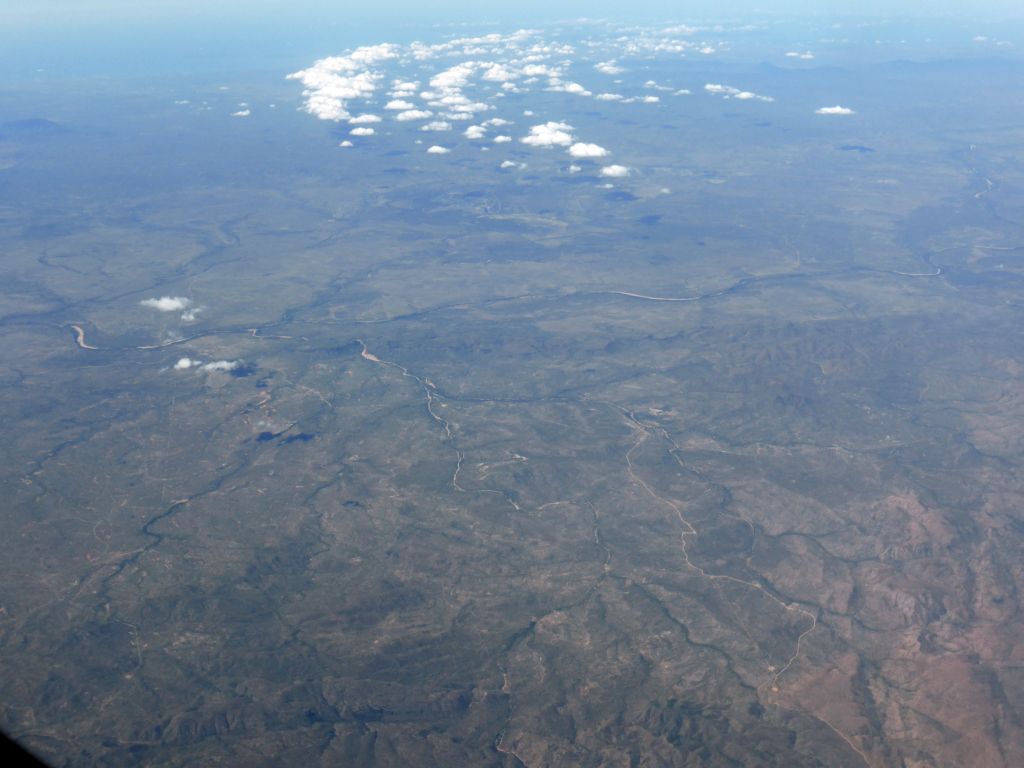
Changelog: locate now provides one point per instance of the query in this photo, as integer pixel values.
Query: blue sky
(135, 37)
(62, 11)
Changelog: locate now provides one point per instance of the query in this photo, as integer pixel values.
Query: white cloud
(528, 113)
(469, 108)
(609, 68)
(437, 125)
(362, 132)
(475, 132)
(615, 171)
(346, 143)
(729, 92)
(511, 164)
(836, 110)
(369, 55)
(587, 150)
(499, 73)
(609, 97)
(399, 104)
(799, 55)
(541, 70)
(650, 99)
(575, 88)
(168, 303)
(185, 363)
(436, 150)
(364, 119)
(413, 114)
(502, 139)
(497, 122)
(189, 315)
(330, 82)
(455, 77)
(550, 134)
(219, 365)
(679, 29)
(242, 113)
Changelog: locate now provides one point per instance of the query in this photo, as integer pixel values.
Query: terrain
(442, 463)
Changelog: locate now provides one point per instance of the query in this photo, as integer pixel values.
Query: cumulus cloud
(679, 29)
(497, 122)
(650, 99)
(364, 119)
(399, 104)
(413, 114)
(575, 88)
(185, 363)
(362, 132)
(220, 365)
(615, 171)
(189, 315)
(609, 68)
(609, 97)
(728, 92)
(437, 150)
(836, 110)
(510, 164)
(333, 81)
(550, 134)
(242, 113)
(799, 55)
(455, 77)
(168, 303)
(437, 125)
(475, 132)
(499, 73)
(587, 150)
(502, 139)
(346, 143)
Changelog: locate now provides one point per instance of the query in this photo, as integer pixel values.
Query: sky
(126, 37)
(63, 11)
